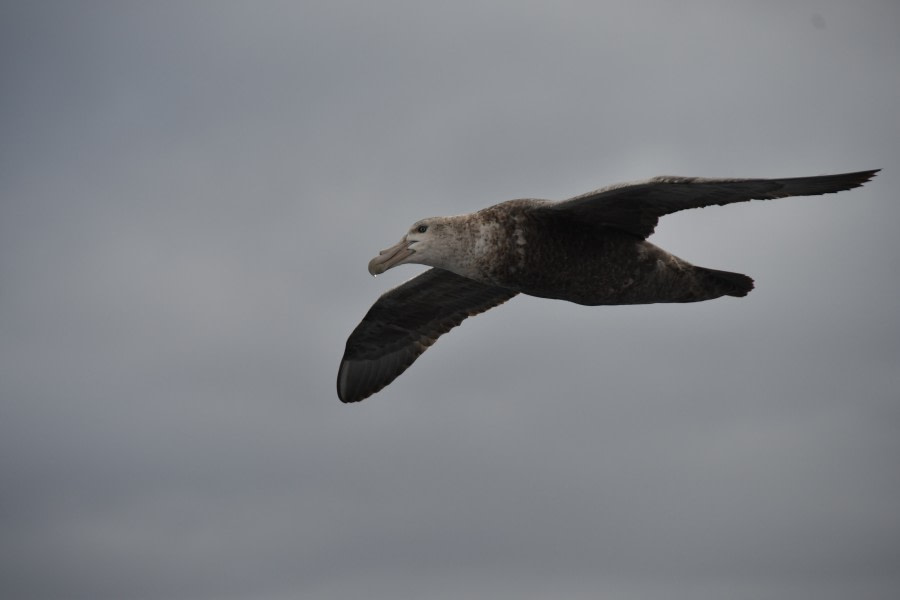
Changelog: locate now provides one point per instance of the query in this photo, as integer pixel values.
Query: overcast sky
(190, 193)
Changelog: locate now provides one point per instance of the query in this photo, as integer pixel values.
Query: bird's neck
(486, 249)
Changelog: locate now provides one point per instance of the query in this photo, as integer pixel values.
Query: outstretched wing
(404, 322)
(636, 207)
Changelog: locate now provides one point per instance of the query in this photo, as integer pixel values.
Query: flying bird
(591, 249)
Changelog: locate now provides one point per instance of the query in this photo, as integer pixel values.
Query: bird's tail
(731, 284)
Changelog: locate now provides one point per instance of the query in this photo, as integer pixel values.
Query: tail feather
(733, 284)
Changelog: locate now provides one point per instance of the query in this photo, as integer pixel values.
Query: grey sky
(189, 195)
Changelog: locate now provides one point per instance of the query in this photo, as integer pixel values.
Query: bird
(591, 249)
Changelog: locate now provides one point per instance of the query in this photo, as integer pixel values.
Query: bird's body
(510, 245)
(591, 250)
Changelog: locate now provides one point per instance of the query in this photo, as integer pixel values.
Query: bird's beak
(391, 257)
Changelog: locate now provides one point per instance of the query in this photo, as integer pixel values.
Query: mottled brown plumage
(590, 249)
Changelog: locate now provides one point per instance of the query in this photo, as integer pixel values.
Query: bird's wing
(636, 207)
(404, 322)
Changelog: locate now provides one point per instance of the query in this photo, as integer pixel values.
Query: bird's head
(426, 243)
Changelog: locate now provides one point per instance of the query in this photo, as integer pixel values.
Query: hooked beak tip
(375, 269)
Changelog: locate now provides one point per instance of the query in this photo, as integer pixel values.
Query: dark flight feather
(636, 207)
(404, 322)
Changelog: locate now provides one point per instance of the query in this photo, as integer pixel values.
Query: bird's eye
(422, 228)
